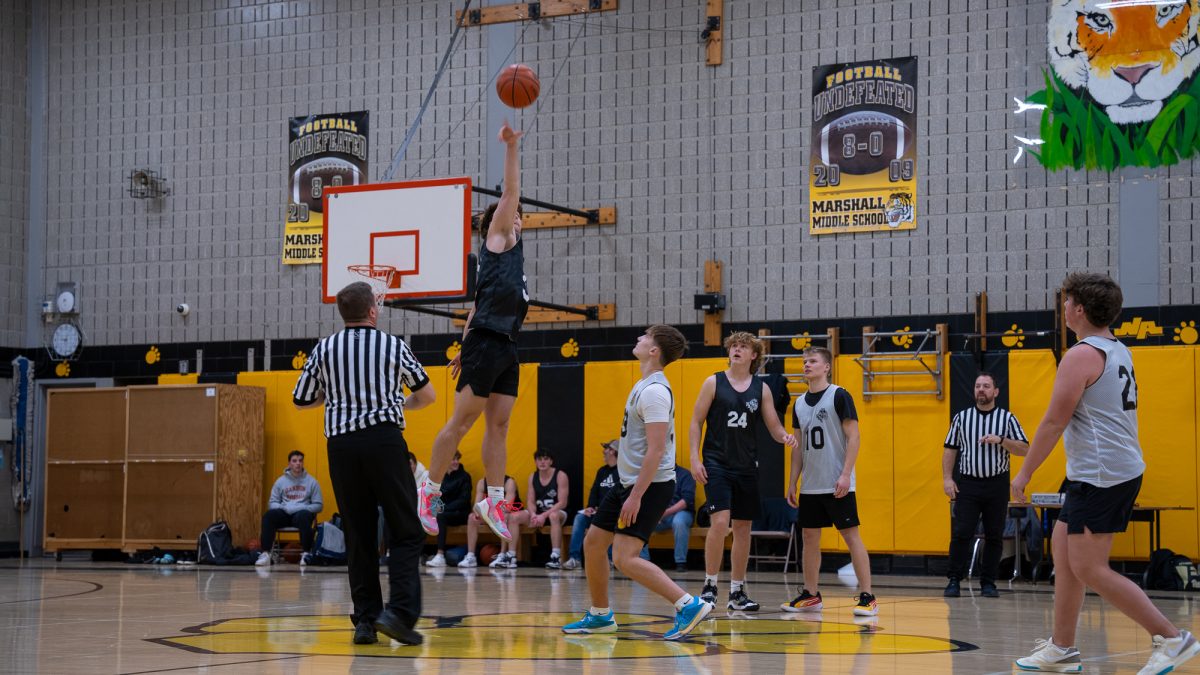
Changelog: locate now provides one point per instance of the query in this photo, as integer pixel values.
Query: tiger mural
(1129, 55)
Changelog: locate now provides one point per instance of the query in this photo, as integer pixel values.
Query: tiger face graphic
(1129, 55)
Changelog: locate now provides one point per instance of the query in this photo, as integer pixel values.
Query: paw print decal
(299, 360)
(63, 369)
(569, 349)
(1013, 337)
(801, 341)
(453, 350)
(903, 341)
(1186, 333)
(153, 356)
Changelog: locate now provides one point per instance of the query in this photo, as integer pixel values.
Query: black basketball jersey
(545, 496)
(729, 434)
(501, 298)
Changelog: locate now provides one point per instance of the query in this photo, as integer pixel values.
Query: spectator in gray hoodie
(295, 502)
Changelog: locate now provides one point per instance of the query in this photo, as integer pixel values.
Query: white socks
(432, 487)
(599, 611)
(710, 580)
(735, 586)
(683, 602)
(495, 493)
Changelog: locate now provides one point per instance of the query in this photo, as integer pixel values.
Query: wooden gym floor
(95, 618)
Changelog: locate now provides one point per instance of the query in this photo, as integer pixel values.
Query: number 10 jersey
(818, 427)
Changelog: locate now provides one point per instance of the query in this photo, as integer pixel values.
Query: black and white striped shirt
(982, 460)
(360, 371)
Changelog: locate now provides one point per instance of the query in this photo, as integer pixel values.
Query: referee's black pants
(978, 497)
(370, 471)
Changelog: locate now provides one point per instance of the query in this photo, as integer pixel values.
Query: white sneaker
(1049, 657)
(469, 561)
(1170, 652)
(501, 560)
(264, 559)
(571, 564)
(436, 561)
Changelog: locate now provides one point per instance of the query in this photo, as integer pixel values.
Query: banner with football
(864, 147)
(323, 151)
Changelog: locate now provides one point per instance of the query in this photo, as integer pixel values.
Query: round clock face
(65, 301)
(66, 340)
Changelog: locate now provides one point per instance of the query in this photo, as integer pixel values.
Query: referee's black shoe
(989, 591)
(952, 589)
(364, 634)
(393, 626)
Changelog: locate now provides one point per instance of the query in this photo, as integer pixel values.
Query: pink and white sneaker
(429, 504)
(495, 513)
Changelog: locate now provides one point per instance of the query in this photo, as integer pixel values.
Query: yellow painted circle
(532, 636)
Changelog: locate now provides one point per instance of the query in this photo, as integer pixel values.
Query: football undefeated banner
(323, 150)
(864, 147)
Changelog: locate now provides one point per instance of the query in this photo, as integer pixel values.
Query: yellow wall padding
(606, 386)
(901, 503)
(1167, 429)
(178, 379)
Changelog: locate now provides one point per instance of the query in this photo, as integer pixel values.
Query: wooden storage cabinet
(138, 467)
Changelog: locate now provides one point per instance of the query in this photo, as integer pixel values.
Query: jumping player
(1093, 407)
(487, 367)
(730, 406)
(627, 515)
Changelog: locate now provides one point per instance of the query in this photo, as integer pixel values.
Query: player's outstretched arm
(501, 232)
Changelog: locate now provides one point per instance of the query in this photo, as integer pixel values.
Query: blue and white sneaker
(688, 618)
(590, 623)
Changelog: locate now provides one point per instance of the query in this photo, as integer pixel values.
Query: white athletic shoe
(571, 564)
(1049, 657)
(264, 559)
(1170, 652)
(438, 560)
(468, 561)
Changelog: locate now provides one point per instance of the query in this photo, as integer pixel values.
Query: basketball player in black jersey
(731, 403)
(487, 367)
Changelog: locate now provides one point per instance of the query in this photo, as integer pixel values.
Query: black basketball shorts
(1100, 510)
(489, 364)
(732, 490)
(825, 510)
(655, 500)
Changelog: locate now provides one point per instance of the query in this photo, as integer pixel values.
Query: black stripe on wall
(560, 424)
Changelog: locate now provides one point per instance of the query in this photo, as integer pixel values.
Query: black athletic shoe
(952, 589)
(709, 594)
(989, 591)
(392, 626)
(740, 602)
(364, 634)
(681, 567)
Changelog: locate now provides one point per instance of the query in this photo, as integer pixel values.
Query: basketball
(518, 86)
(292, 552)
(488, 553)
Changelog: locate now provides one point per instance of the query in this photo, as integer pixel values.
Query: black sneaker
(554, 563)
(681, 567)
(709, 594)
(989, 591)
(392, 626)
(952, 589)
(364, 634)
(740, 602)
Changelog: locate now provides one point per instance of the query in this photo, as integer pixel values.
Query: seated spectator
(507, 556)
(548, 494)
(606, 478)
(678, 517)
(456, 506)
(295, 502)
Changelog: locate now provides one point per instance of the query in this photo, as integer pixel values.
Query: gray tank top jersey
(633, 435)
(824, 444)
(1101, 440)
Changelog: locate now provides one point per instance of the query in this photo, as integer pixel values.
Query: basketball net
(382, 278)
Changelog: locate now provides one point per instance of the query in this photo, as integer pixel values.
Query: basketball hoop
(382, 278)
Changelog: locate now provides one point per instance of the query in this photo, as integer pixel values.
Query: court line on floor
(95, 587)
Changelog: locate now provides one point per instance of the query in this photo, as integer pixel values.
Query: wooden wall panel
(239, 483)
(170, 501)
(84, 501)
(172, 422)
(85, 424)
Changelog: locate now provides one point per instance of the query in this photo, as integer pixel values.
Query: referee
(359, 373)
(982, 437)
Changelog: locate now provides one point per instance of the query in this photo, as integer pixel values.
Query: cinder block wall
(14, 169)
(700, 162)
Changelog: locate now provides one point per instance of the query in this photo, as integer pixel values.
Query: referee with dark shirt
(982, 437)
(359, 373)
